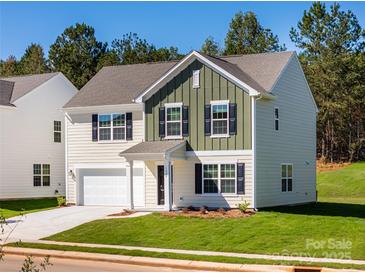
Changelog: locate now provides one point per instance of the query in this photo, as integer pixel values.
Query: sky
(182, 24)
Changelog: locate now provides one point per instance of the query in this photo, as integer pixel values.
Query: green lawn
(283, 230)
(13, 208)
(295, 230)
(346, 185)
(140, 253)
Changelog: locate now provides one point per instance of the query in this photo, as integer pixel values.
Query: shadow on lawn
(28, 204)
(323, 209)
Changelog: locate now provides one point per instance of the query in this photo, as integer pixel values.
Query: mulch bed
(231, 213)
(123, 213)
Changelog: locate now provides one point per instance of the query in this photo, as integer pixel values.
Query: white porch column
(130, 181)
(167, 182)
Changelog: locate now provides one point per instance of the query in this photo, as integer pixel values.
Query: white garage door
(104, 187)
(109, 187)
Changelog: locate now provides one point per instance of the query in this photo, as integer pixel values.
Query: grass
(345, 185)
(11, 208)
(283, 230)
(140, 253)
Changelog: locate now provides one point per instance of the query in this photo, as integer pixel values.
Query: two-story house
(32, 140)
(199, 131)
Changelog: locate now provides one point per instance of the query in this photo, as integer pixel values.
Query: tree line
(332, 55)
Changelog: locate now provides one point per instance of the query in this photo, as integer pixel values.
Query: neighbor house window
(219, 178)
(41, 175)
(219, 119)
(196, 80)
(57, 131)
(276, 118)
(286, 177)
(173, 120)
(112, 127)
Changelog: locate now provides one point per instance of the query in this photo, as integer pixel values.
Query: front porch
(159, 156)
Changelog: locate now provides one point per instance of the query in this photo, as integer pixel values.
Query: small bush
(185, 210)
(203, 210)
(243, 207)
(221, 210)
(191, 208)
(61, 200)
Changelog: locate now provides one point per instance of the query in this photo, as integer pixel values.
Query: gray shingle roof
(152, 147)
(12, 88)
(121, 84)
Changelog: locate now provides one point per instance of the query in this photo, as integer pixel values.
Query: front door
(160, 185)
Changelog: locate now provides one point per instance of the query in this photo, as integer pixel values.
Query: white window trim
(219, 193)
(42, 174)
(173, 105)
(112, 128)
(196, 73)
(287, 177)
(214, 103)
(276, 119)
(57, 131)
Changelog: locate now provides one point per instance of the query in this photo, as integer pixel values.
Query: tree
(246, 36)
(132, 49)
(33, 60)
(109, 58)
(9, 67)
(333, 61)
(76, 53)
(210, 47)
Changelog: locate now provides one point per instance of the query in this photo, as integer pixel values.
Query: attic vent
(196, 80)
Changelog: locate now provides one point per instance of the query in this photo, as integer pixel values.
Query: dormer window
(196, 78)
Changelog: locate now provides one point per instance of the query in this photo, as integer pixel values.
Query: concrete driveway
(34, 226)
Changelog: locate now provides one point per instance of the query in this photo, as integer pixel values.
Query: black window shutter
(240, 178)
(207, 120)
(198, 178)
(232, 119)
(162, 122)
(185, 121)
(129, 124)
(94, 124)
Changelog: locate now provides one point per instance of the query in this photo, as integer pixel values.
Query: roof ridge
(147, 63)
(251, 54)
(27, 75)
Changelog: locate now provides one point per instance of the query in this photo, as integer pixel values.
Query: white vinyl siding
(82, 150)
(27, 137)
(294, 142)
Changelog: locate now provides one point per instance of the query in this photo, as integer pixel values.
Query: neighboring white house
(32, 136)
(199, 131)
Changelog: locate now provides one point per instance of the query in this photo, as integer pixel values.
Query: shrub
(221, 210)
(61, 200)
(203, 210)
(243, 207)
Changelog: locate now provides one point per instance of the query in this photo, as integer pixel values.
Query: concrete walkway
(37, 225)
(212, 253)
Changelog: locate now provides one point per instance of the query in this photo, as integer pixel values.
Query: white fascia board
(105, 108)
(197, 55)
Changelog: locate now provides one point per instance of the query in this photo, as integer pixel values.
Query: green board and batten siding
(212, 87)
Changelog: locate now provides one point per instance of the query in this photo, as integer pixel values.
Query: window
(219, 178)
(276, 116)
(57, 131)
(196, 80)
(219, 119)
(41, 175)
(173, 120)
(286, 177)
(112, 127)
